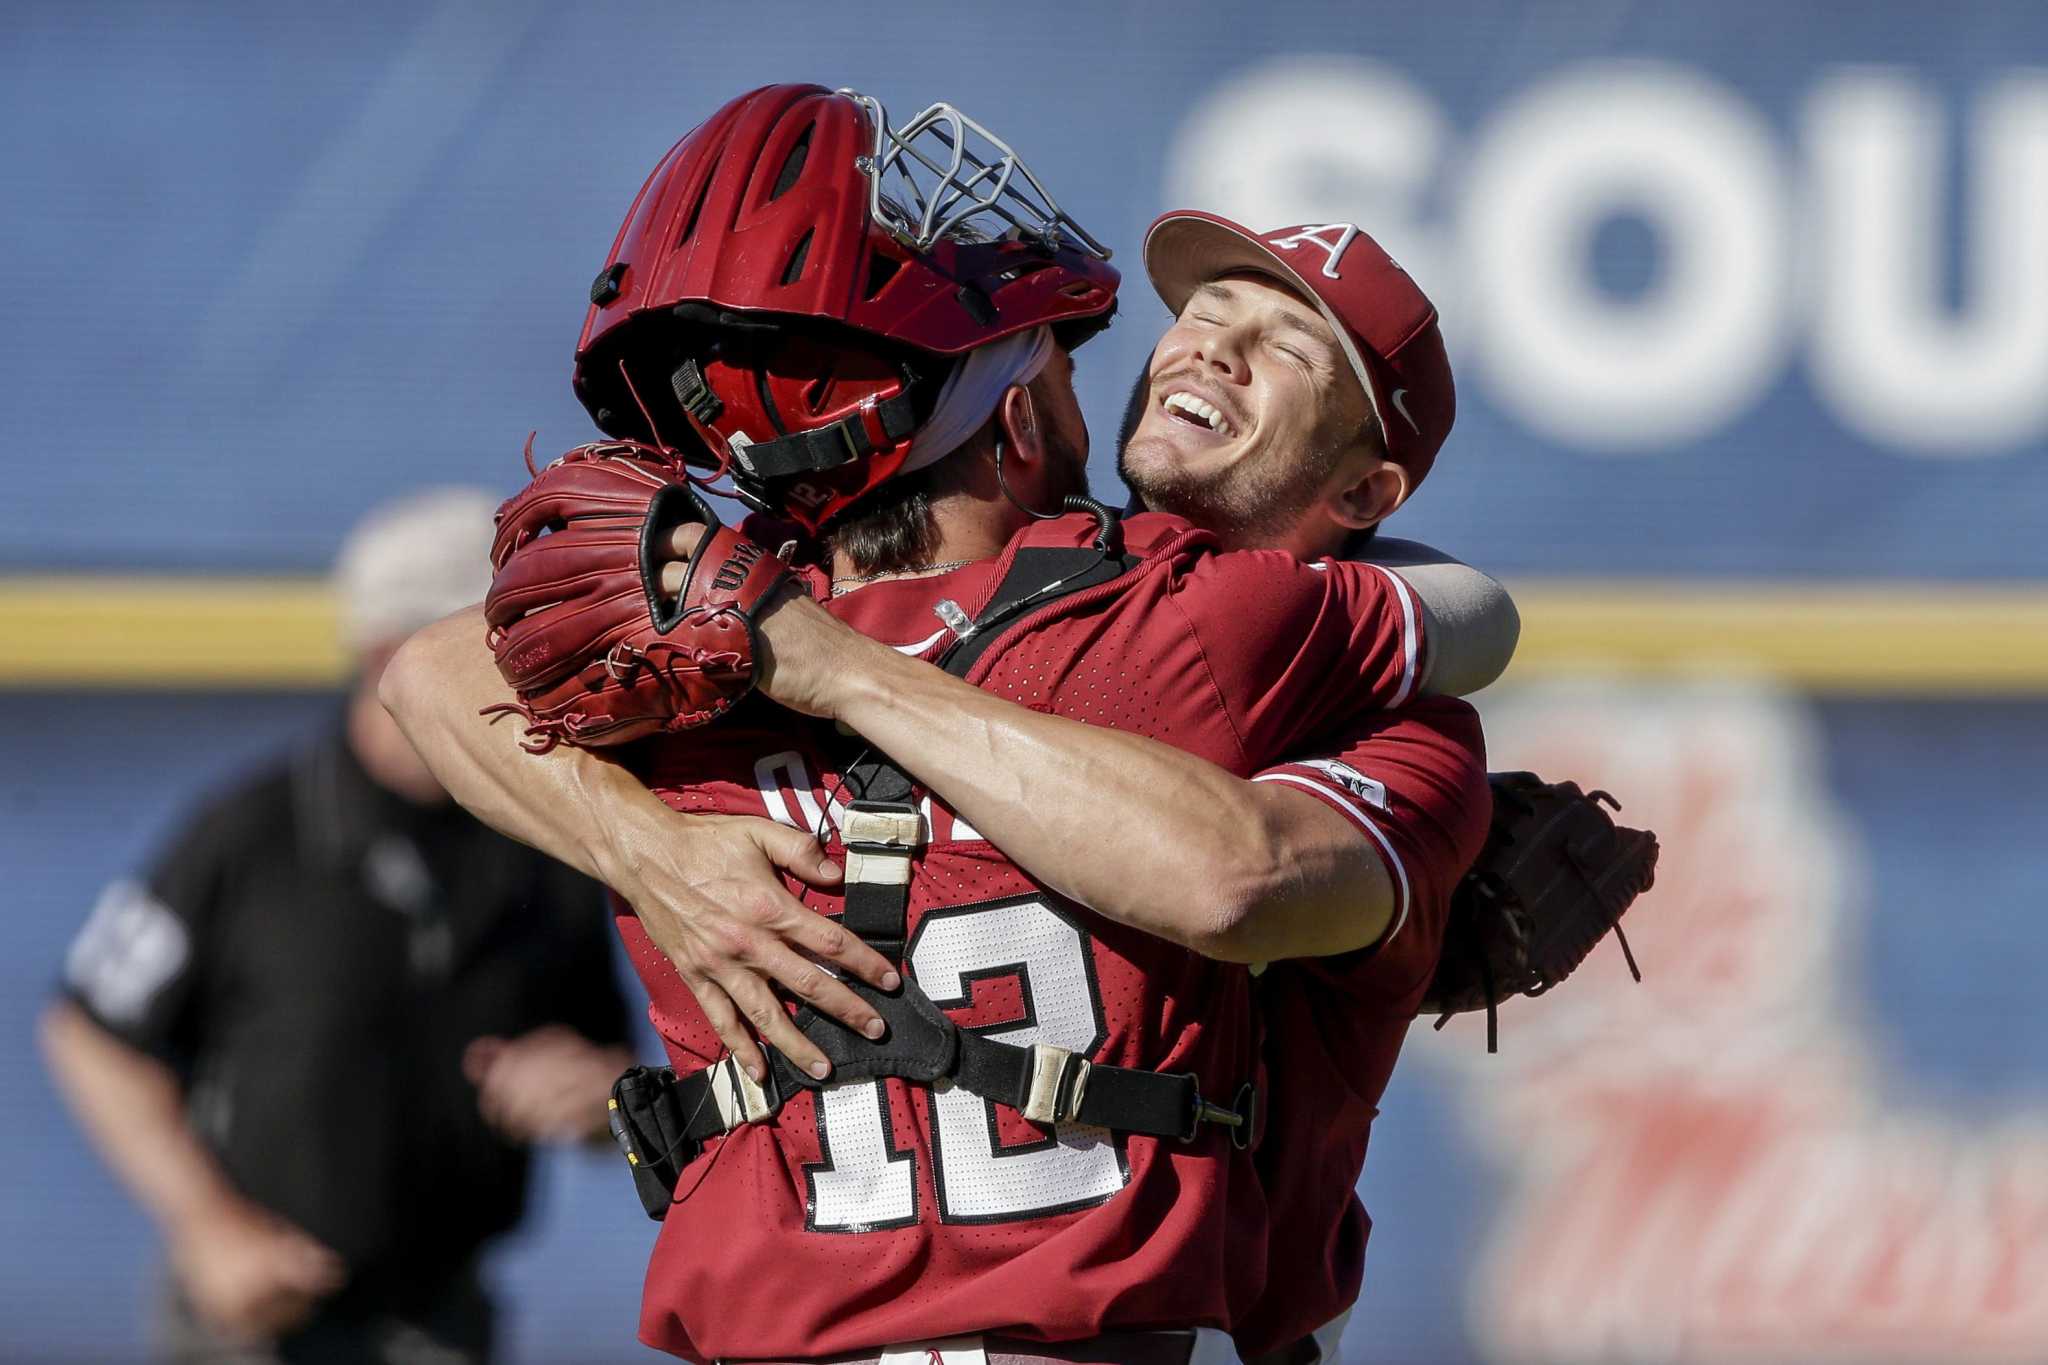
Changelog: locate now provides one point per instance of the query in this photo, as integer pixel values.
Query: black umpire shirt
(312, 952)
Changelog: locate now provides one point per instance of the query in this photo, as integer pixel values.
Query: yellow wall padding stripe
(198, 632)
(1896, 638)
(121, 631)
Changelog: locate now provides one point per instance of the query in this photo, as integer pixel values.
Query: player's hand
(707, 890)
(250, 1274)
(806, 653)
(549, 1085)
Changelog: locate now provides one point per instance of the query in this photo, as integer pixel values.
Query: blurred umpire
(316, 1037)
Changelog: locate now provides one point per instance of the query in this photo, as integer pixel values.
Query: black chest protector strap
(661, 1122)
(882, 829)
(881, 833)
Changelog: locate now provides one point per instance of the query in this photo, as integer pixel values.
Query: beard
(1248, 504)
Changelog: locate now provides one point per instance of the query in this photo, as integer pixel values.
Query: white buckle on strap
(739, 1099)
(897, 828)
(1048, 1066)
(877, 869)
(897, 833)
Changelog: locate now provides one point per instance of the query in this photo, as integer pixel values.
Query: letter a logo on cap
(1333, 251)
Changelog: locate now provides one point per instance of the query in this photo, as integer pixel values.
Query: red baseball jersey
(873, 1213)
(1414, 783)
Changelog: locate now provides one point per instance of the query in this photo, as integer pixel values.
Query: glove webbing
(1611, 865)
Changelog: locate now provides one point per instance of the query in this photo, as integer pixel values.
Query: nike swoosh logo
(1402, 408)
(922, 645)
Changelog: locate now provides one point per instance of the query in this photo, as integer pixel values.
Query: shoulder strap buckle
(882, 826)
(880, 836)
(1058, 1084)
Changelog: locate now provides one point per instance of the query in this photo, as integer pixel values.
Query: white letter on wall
(1627, 375)
(1320, 140)
(1888, 356)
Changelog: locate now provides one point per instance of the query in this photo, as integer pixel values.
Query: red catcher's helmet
(796, 277)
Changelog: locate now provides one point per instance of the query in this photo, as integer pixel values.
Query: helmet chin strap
(661, 447)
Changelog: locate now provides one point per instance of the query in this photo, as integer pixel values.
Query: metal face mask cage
(927, 182)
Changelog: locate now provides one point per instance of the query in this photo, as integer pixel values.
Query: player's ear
(1023, 431)
(1368, 495)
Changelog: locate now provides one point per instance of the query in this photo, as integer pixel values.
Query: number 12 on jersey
(865, 1182)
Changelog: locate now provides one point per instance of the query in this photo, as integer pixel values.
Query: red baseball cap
(1384, 321)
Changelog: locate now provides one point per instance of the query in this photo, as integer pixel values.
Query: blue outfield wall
(1707, 316)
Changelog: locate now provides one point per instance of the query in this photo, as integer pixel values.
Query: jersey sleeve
(138, 964)
(1470, 619)
(1413, 783)
(1295, 649)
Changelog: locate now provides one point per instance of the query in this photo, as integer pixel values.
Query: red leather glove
(578, 623)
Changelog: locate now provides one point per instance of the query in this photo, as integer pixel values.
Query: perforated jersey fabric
(1414, 783)
(874, 1213)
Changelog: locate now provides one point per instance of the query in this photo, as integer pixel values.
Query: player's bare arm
(1238, 870)
(707, 887)
(1231, 868)
(1135, 829)
(248, 1272)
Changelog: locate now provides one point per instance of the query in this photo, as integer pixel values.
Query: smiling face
(1254, 423)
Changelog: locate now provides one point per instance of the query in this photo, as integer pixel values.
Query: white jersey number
(866, 1183)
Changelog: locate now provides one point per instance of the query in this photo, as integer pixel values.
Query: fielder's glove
(577, 621)
(1555, 875)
